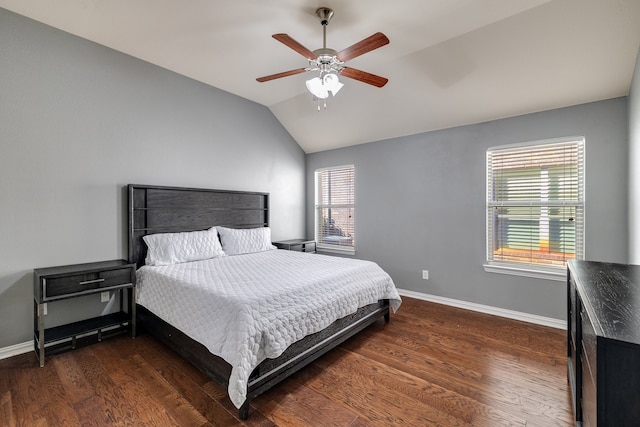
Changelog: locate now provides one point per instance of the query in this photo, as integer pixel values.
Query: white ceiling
(449, 62)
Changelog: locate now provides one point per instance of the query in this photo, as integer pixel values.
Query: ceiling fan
(329, 63)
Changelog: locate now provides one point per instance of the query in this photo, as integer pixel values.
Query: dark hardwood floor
(433, 365)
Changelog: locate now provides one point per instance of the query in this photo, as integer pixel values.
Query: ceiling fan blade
(288, 41)
(283, 74)
(367, 45)
(364, 77)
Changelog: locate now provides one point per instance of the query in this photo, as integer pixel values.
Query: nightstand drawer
(80, 283)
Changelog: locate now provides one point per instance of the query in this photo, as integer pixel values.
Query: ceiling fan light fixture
(317, 88)
(332, 83)
(321, 87)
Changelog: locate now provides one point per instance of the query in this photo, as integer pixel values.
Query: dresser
(603, 305)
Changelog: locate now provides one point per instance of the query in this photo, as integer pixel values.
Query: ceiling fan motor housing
(326, 61)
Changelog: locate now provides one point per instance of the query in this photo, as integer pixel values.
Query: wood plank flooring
(432, 365)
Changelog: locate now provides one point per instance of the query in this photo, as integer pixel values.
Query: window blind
(535, 203)
(335, 205)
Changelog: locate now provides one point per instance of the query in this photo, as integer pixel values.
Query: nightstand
(299, 245)
(70, 281)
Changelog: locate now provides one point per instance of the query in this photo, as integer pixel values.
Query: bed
(284, 309)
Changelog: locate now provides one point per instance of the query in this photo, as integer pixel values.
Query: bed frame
(157, 209)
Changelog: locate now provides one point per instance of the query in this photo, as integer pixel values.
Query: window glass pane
(335, 207)
(336, 226)
(535, 203)
(533, 234)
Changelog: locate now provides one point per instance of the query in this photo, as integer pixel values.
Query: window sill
(336, 250)
(538, 272)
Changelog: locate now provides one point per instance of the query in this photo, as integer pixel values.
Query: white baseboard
(26, 347)
(14, 350)
(516, 315)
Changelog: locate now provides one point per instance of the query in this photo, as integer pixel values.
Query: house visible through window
(535, 207)
(335, 206)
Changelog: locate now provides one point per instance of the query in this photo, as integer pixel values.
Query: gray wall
(79, 121)
(634, 166)
(420, 203)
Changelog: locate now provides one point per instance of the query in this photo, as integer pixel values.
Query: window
(535, 207)
(335, 209)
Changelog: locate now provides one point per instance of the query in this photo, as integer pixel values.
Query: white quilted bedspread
(246, 308)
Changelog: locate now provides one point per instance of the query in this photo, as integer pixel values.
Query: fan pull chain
(324, 104)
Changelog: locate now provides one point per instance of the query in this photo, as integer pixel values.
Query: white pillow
(236, 241)
(173, 248)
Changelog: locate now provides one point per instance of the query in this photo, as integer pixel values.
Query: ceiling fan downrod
(326, 60)
(324, 14)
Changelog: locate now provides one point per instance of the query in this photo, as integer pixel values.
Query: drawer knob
(88, 282)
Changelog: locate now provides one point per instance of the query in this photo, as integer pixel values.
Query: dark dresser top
(610, 294)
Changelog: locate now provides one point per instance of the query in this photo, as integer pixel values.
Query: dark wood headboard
(157, 209)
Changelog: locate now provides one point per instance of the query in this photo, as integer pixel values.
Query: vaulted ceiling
(449, 62)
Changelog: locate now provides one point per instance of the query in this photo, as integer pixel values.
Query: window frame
(328, 247)
(539, 271)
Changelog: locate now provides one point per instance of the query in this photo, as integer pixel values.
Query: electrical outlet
(425, 274)
(105, 296)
